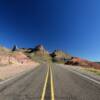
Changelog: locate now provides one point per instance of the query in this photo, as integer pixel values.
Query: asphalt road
(50, 82)
(71, 86)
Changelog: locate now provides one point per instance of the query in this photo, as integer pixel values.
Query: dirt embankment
(14, 58)
(12, 70)
(12, 63)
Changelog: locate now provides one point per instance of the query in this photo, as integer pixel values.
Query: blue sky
(70, 25)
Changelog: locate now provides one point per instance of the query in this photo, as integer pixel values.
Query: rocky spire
(14, 48)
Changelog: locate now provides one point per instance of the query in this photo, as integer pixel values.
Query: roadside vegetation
(96, 71)
(37, 58)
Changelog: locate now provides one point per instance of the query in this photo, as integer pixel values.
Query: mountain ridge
(40, 53)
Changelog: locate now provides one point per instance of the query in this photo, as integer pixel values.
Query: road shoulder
(83, 73)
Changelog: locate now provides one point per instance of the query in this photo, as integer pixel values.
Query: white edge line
(87, 77)
(91, 79)
(52, 84)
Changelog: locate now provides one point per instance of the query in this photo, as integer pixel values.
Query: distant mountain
(40, 54)
(60, 56)
(37, 53)
(40, 50)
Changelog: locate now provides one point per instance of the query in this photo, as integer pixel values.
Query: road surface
(50, 82)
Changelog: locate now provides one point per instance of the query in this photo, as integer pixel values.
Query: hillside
(37, 53)
(40, 54)
(59, 56)
(8, 56)
(14, 62)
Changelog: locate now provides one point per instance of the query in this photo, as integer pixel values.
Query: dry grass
(96, 71)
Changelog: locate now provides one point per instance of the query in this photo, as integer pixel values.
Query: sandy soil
(11, 70)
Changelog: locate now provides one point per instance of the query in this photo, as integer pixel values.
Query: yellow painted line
(52, 85)
(45, 85)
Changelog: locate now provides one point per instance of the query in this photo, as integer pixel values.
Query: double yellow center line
(52, 84)
(49, 72)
